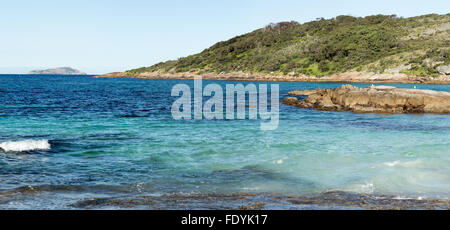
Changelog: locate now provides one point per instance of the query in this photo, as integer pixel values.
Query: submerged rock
(375, 99)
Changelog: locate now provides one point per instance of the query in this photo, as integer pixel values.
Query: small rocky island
(59, 71)
(373, 99)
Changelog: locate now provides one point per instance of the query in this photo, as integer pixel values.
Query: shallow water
(116, 137)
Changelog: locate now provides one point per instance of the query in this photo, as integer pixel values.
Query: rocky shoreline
(231, 201)
(373, 99)
(350, 77)
(335, 200)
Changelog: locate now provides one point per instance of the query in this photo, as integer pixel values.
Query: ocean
(78, 142)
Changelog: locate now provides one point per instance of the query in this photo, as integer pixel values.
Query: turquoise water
(116, 137)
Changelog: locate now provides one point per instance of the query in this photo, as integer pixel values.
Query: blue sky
(99, 36)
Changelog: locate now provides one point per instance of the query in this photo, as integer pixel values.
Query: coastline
(349, 77)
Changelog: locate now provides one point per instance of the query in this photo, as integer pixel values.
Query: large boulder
(290, 101)
(444, 69)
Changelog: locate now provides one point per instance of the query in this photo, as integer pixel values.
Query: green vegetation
(379, 43)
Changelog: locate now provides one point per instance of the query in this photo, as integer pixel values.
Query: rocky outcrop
(398, 69)
(445, 69)
(290, 101)
(59, 71)
(374, 99)
(302, 92)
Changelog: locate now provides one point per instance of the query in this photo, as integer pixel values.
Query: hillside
(380, 44)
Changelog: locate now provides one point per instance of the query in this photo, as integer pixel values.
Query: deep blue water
(117, 137)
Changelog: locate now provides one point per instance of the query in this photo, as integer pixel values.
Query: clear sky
(98, 36)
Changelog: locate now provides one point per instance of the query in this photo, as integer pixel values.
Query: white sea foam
(406, 164)
(280, 161)
(26, 145)
(392, 164)
(366, 188)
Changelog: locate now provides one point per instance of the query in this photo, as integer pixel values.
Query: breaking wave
(24, 146)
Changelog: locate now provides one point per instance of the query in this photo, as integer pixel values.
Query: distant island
(378, 48)
(61, 70)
